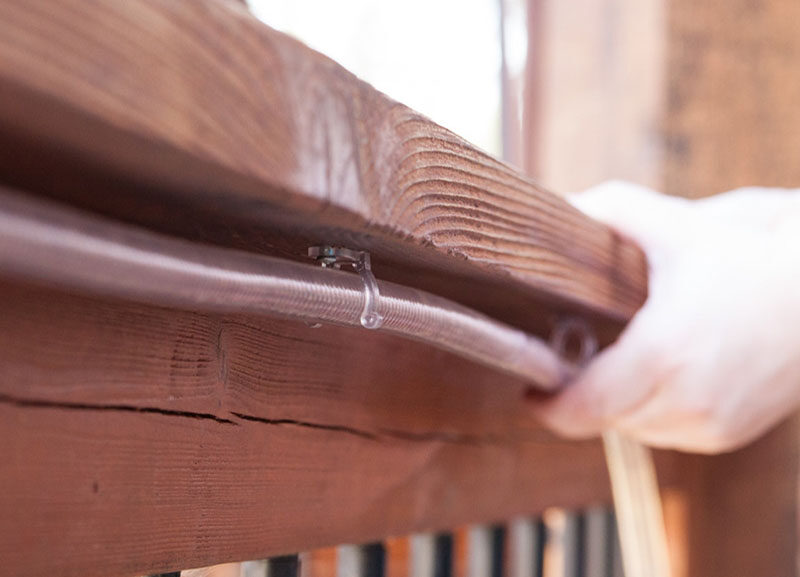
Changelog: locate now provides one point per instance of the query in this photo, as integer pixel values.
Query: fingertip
(616, 382)
(611, 196)
(636, 212)
(567, 427)
(566, 413)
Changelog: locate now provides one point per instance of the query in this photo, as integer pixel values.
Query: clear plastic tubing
(54, 245)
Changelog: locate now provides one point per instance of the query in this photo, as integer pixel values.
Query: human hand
(712, 360)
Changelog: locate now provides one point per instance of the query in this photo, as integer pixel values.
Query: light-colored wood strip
(638, 507)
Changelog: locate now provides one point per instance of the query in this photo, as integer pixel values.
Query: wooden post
(693, 99)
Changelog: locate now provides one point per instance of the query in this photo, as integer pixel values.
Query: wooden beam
(147, 440)
(141, 440)
(193, 118)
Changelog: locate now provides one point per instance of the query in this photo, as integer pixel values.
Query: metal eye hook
(573, 329)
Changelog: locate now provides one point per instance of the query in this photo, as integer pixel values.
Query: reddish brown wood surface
(141, 439)
(194, 118)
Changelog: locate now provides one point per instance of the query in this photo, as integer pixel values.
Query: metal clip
(336, 257)
(572, 330)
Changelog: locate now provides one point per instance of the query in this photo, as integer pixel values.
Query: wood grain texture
(596, 92)
(143, 440)
(731, 113)
(194, 118)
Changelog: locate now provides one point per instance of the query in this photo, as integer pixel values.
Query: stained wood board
(139, 439)
(142, 439)
(194, 118)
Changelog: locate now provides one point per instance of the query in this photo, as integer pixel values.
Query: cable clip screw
(359, 260)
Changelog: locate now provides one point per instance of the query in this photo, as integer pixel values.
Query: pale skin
(712, 360)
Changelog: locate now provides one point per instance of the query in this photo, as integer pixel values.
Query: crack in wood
(382, 434)
(43, 404)
(309, 425)
(395, 434)
(410, 436)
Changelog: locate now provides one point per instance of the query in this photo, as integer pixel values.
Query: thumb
(651, 219)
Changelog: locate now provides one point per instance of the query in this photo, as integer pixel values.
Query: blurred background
(690, 98)
(443, 58)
